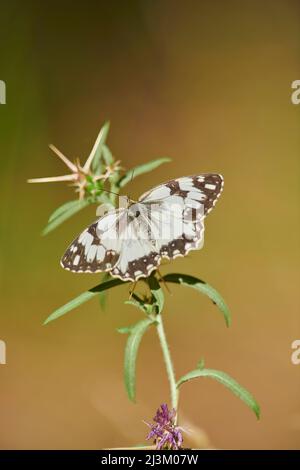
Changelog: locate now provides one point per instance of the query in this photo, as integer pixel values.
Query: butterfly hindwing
(97, 248)
(185, 231)
(139, 256)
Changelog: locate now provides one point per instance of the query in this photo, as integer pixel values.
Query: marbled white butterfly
(130, 242)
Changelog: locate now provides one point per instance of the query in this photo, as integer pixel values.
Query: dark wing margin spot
(212, 194)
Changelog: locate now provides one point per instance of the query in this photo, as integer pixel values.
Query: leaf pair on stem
(152, 309)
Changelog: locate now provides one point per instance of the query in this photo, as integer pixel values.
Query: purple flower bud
(164, 432)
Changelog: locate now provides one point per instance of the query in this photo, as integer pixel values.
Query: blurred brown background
(207, 83)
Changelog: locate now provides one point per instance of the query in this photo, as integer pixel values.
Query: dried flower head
(86, 180)
(166, 435)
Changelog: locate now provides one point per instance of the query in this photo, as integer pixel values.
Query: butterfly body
(135, 210)
(166, 222)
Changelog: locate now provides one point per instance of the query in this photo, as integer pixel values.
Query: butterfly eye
(134, 213)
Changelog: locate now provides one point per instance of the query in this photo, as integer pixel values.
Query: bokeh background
(207, 83)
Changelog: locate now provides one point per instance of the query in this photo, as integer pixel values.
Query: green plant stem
(168, 361)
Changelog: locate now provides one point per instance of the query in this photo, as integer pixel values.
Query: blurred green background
(207, 83)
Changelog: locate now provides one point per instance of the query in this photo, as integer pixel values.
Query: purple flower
(164, 431)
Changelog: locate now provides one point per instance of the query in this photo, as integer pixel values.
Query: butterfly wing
(170, 224)
(117, 243)
(98, 247)
(178, 209)
(204, 188)
(138, 256)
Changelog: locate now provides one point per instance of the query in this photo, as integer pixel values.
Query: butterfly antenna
(163, 281)
(108, 191)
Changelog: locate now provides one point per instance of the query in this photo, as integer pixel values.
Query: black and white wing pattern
(97, 248)
(205, 188)
(167, 221)
(178, 208)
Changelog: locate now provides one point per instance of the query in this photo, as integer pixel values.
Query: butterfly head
(126, 202)
(135, 209)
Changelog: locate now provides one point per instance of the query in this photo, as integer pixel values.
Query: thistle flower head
(86, 180)
(166, 435)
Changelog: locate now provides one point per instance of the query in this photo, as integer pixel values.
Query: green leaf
(226, 380)
(102, 300)
(136, 333)
(124, 330)
(140, 170)
(202, 287)
(140, 304)
(107, 285)
(98, 146)
(84, 297)
(201, 364)
(103, 294)
(136, 304)
(61, 209)
(107, 155)
(59, 216)
(157, 293)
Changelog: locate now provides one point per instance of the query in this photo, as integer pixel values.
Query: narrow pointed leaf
(140, 170)
(226, 380)
(82, 298)
(136, 304)
(107, 285)
(204, 288)
(124, 330)
(61, 209)
(136, 333)
(63, 215)
(157, 293)
(103, 293)
(140, 304)
(102, 300)
(201, 364)
(107, 155)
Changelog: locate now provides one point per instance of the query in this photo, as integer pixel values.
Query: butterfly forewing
(204, 188)
(97, 248)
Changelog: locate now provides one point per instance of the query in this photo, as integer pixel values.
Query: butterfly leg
(132, 290)
(163, 281)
